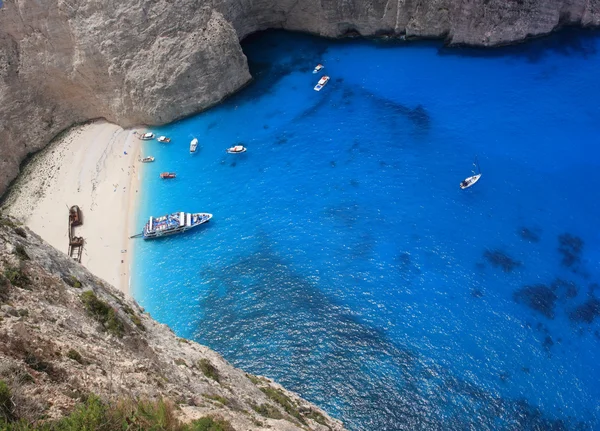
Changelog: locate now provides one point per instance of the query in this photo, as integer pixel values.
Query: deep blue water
(345, 262)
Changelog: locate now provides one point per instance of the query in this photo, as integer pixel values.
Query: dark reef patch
(499, 259)
(538, 297)
(565, 289)
(531, 235)
(476, 293)
(586, 312)
(570, 246)
(547, 343)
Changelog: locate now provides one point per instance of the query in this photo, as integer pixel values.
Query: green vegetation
(37, 364)
(126, 414)
(103, 313)
(180, 361)
(211, 424)
(4, 221)
(208, 369)
(134, 317)
(267, 411)
(75, 355)
(76, 283)
(316, 416)
(4, 288)
(284, 401)
(17, 277)
(6, 404)
(218, 398)
(21, 253)
(254, 379)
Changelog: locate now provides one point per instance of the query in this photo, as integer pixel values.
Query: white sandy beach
(96, 167)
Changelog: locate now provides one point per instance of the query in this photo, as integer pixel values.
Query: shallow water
(345, 262)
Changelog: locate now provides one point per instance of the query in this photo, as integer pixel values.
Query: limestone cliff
(65, 334)
(150, 62)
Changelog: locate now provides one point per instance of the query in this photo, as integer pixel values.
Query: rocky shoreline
(65, 335)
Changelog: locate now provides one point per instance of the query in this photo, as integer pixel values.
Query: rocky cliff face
(150, 62)
(65, 334)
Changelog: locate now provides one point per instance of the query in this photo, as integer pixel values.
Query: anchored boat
(164, 139)
(322, 82)
(147, 159)
(318, 68)
(468, 182)
(236, 149)
(147, 136)
(167, 175)
(193, 145)
(173, 223)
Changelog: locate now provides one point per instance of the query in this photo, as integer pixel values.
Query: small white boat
(318, 68)
(164, 139)
(236, 149)
(322, 82)
(193, 145)
(468, 182)
(147, 159)
(147, 136)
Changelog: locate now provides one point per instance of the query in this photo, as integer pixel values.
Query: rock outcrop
(65, 334)
(150, 62)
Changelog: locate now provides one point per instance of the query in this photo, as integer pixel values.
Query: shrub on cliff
(6, 403)
(208, 369)
(103, 313)
(127, 413)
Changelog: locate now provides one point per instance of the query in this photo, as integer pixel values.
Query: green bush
(284, 401)
(211, 424)
(75, 355)
(208, 369)
(254, 379)
(21, 253)
(103, 313)
(267, 411)
(95, 415)
(218, 398)
(6, 404)
(17, 277)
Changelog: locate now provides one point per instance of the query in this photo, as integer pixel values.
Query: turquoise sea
(345, 262)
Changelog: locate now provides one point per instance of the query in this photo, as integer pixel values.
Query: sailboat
(468, 182)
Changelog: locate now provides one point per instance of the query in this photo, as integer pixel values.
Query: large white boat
(322, 82)
(173, 223)
(193, 145)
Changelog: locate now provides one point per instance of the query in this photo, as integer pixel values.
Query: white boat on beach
(147, 159)
(193, 145)
(236, 149)
(164, 139)
(322, 82)
(318, 68)
(468, 182)
(173, 223)
(147, 136)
